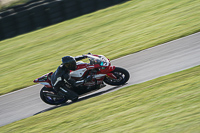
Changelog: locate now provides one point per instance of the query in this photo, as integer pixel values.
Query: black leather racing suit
(62, 81)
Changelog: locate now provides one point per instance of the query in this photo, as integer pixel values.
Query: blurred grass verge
(5, 4)
(116, 31)
(166, 104)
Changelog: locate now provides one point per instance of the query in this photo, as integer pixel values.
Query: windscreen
(101, 60)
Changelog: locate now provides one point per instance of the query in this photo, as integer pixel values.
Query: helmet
(69, 62)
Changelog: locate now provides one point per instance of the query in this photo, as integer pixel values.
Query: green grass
(116, 31)
(163, 105)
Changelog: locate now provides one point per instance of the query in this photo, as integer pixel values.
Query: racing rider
(61, 80)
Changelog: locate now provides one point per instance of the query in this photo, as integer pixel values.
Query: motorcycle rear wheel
(51, 100)
(122, 77)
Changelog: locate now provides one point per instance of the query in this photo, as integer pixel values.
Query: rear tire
(122, 77)
(51, 100)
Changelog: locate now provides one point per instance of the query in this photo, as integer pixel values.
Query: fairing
(98, 62)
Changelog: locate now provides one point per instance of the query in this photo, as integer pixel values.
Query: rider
(62, 81)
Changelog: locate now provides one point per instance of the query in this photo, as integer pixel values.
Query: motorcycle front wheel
(48, 96)
(121, 74)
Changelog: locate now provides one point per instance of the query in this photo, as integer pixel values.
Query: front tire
(121, 74)
(50, 99)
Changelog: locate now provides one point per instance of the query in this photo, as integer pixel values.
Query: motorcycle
(99, 68)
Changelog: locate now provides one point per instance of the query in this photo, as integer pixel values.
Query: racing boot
(69, 94)
(88, 79)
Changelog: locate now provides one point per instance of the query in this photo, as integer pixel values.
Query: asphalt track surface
(145, 65)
